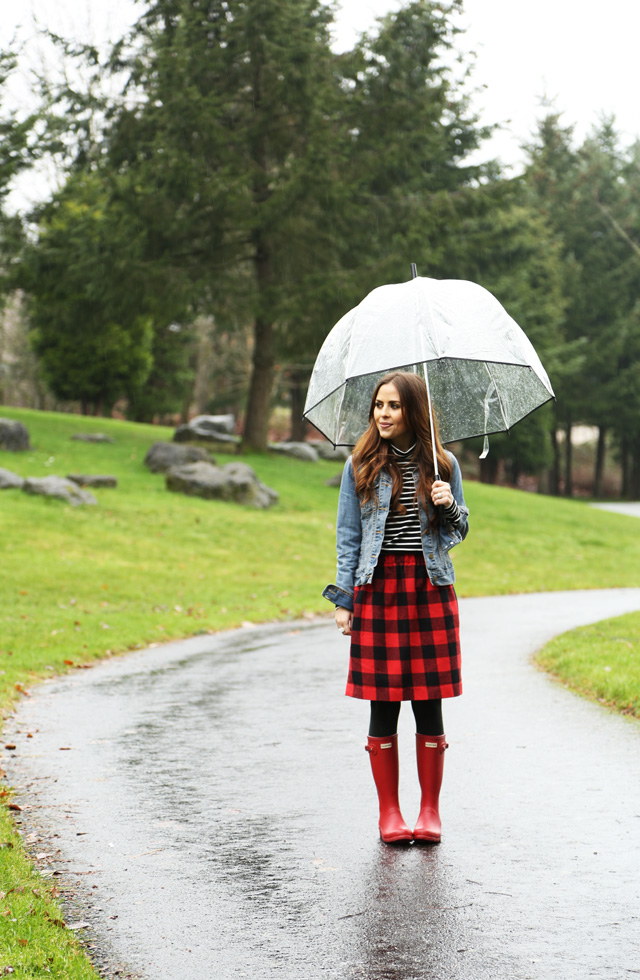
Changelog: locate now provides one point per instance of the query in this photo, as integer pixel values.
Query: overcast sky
(579, 53)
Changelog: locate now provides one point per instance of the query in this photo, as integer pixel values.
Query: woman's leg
(382, 746)
(430, 747)
(384, 718)
(428, 715)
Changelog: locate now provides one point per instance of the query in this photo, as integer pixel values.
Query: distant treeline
(248, 186)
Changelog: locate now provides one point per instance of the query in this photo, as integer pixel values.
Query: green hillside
(147, 565)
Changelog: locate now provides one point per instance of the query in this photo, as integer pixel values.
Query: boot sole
(427, 840)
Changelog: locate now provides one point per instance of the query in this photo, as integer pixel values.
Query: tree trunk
(256, 428)
(544, 480)
(568, 461)
(635, 470)
(489, 469)
(554, 471)
(203, 373)
(600, 457)
(298, 393)
(184, 411)
(625, 490)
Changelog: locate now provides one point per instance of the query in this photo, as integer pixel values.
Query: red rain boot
(430, 754)
(383, 753)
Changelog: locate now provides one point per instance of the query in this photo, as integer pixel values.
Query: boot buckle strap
(373, 749)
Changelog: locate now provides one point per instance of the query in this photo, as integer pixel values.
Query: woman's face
(387, 414)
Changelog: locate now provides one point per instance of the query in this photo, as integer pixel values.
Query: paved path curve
(630, 508)
(216, 807)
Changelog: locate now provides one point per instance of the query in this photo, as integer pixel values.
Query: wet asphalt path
(216, 807)
(630, 508)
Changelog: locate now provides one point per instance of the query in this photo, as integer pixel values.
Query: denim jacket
(360, 530)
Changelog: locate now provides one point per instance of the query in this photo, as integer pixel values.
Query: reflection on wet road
(216, 800)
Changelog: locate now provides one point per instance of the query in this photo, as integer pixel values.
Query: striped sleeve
(452, 513)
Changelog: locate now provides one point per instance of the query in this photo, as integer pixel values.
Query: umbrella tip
(414, 271)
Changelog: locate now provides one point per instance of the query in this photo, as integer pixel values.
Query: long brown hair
(372, 453)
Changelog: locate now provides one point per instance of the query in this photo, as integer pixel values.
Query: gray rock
(92, 437)
(163, 455)
(93, 479)
(57, 486)
(326, 451)
(234, 482)
(214, 423)
(298, 450)
(14, 436)
(185, 433)
(335, 481)
(212, 428)
(10, 481)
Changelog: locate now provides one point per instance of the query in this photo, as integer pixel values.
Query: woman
(394, 592)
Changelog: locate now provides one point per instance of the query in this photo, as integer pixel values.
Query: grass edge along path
(600, 662)
(146, 566)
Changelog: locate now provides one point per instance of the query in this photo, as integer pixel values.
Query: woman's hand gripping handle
(344, 619)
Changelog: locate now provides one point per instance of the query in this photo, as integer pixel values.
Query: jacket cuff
(339, 597)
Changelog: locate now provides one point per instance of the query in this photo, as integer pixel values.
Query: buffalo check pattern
(405, 643)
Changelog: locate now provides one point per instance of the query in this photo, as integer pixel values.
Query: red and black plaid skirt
(405, 643)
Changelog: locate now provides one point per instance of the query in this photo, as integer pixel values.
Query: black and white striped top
(402, 532)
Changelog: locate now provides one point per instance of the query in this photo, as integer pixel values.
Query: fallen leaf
(9, 745)
(79, 925)
(65, 748)
(68, 662)
(23, 942)
(14, 806)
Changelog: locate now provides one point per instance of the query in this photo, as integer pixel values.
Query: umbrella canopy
(482, 371)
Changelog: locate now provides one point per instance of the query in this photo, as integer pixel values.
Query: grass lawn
(601, 661)
(146, 566)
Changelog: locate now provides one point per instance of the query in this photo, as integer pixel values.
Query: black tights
(384, 717)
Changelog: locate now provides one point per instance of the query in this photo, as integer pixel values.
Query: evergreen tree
(586, 195)
(231, 148)
(18, 149)
(86, 297)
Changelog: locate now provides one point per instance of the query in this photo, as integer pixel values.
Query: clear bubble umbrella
(481, 370)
